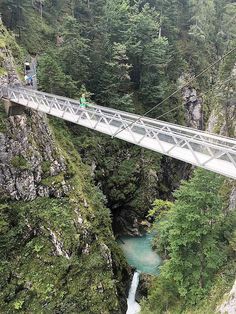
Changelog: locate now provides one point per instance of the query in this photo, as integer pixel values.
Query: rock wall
(223, 116)
(28, 153)
(28, 156)
(57, 250)
(193, 104)
(223, 120)
(229, 306)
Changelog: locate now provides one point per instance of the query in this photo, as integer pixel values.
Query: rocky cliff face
(223, 116)
(57, 251)
(28, 158)
(53, 227)
(223, 119)
(229, 306)
(193, 107)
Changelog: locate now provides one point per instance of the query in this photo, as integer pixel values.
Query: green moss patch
(20, 162)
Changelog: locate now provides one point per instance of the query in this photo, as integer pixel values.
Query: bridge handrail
(136, 116)
(151, 124)
(171, 132)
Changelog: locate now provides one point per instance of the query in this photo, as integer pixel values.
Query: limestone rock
(106, 253)
(193, 104)
(28, 156)
(223, 118)
(232, 199)
(229, 306)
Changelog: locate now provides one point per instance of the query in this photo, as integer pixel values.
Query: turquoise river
(139, 253)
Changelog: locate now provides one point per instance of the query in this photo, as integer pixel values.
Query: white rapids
(133, 306)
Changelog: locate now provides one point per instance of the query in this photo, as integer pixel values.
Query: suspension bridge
(210, 151)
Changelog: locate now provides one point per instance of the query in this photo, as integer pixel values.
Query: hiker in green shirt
(82, 100)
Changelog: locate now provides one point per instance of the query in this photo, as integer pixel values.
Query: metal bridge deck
(199, 148)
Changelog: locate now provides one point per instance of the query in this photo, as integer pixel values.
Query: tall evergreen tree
(52, 79)
(154, 78)
(74, 52)
(116, 19)
(193, 232)
(115, 81)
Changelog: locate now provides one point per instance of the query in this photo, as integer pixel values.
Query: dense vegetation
(57, 250)
(196, 236)
(130, 55)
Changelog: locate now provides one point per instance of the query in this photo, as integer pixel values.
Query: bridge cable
(175, 92)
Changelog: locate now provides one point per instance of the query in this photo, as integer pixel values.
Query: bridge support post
(13, 109)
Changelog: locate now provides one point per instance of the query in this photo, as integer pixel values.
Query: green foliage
(20, 162)
(158, 207)
(52, 78)
(153, 82)
(53, 180)
(7, 41)
(203, 20)
(115, 81)
(46, 166)
(33, 32)
(196, 220)
(34, 274)
(18, 304)
(3, 116)
(73, 53)
(116, 18)
(192, 235)
(163, 297)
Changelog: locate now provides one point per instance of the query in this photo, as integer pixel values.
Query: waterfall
(133, 306)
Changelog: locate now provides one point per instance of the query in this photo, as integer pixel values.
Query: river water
(133, 306)
(139, 254)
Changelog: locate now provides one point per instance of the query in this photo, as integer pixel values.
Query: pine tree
(116, 20)
(52, 78)
(115, 81)
(194, 231)
(195, 235)
(150, 54)
(154, 79)
(74, 52)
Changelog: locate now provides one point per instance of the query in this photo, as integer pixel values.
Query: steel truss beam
(210, 151)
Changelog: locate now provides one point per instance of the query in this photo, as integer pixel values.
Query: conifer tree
(74, 52)
(191, 232)
(115, 81)
(52, 78)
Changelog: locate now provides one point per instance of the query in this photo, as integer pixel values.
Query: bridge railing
(204, 148)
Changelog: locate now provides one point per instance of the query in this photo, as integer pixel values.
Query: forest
(129, 55)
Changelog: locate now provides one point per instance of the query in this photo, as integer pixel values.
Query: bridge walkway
(210, 151)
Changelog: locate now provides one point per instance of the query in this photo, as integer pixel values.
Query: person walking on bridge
(82, 101)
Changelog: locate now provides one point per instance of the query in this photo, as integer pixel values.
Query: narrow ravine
(133, 306)
(139, 253)
(141, 256)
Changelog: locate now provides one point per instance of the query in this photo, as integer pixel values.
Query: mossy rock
(53, 180)
(3, 117)
(20, 162)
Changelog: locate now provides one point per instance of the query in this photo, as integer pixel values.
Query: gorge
(83, 218)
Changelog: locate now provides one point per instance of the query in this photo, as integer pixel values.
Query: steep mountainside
(128, 55)
(57, 251)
